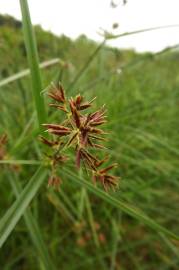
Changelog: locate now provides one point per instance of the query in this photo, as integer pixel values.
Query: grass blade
(26, 72)
(20, 162)
(111, 36)
(86, 65)
(32, 56)
(33, 228)
(61, 207)
(15, 212)
(135, 213)
(91, 220)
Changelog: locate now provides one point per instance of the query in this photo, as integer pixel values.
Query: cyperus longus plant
(80, 131)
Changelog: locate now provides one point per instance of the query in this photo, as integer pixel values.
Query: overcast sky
(74, 17)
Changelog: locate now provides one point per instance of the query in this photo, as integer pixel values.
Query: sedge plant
(78, 130)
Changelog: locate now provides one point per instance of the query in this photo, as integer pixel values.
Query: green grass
(33, 59)
(139, 221)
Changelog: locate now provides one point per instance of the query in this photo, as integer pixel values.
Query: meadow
(79, 225)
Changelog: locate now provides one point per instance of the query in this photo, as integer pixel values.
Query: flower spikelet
(81, 131)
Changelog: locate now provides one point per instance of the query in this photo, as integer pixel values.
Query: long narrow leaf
(20, 162)
(15, 212)
(33, 228)
(86, 65)
(136, 213)
(26, 72)
(32, 55)
(111, 36)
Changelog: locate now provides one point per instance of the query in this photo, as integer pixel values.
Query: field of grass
(80, 226)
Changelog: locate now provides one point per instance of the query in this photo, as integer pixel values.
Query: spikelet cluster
(81, 131)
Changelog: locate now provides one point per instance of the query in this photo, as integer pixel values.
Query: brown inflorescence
(4, 154)
(3, 142)
(81, 131)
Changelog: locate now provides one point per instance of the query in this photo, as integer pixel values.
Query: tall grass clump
(52, 215)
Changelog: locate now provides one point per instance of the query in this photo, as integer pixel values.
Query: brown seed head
(80, 131)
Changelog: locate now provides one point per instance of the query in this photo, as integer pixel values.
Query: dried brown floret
(54, 181)
(3, 142)
(58, 94)
(48, 142)
(62, 108)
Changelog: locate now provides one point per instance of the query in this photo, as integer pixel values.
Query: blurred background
(74, 18)
(90, 47)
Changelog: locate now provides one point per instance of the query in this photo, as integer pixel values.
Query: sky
(75, 17)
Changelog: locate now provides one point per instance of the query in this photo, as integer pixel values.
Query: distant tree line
(7, 20)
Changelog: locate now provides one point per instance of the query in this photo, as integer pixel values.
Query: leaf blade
(15, 212)
(33, 228)
(32, 55)
(134, 212)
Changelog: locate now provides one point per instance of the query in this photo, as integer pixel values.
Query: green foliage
(75, 228)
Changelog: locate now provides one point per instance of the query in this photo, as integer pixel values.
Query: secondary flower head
(3, 142)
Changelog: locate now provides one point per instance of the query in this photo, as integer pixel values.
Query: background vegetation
(75, 228)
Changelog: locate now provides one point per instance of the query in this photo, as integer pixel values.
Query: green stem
(32, 55)
(86, 65)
